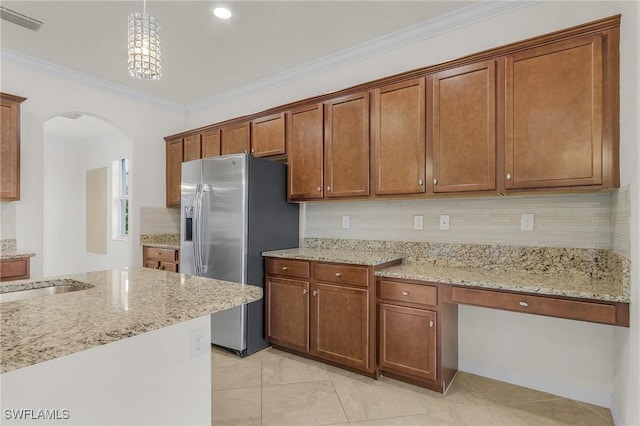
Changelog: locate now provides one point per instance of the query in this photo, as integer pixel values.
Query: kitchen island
(131, 347)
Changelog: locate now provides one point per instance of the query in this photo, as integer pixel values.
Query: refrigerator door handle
(197, 261)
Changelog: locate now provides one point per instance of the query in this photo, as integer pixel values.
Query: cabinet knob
(431, 324)
(158, 254)
(338, 274)
(319, 189)
(304, 291)
(245, 151)
(435, 181)
(329, 188)
(405, 293)
(508, 176)
(315, 292)
(523, 304)
(253, 150)
(420, 182)
(284, 268)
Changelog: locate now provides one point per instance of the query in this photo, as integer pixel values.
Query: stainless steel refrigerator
(233, 208)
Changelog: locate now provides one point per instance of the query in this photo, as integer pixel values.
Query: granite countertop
(370, 258)
(169, 241)
(558, 283)
(567, 285)
(120, 304)
(7, 255)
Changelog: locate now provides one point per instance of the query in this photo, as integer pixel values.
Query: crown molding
(442, 24)
(475, 13)
(36, 64)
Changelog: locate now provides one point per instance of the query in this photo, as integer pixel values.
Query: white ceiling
(202, 55)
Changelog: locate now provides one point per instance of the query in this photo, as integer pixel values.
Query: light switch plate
(418, 223)
(345, 222)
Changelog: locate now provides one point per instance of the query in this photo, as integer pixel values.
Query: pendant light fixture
(144, 45)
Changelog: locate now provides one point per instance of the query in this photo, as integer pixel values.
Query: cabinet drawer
(14, 269)
(342, 274)
(561, 308)
(405, 292)
(288, 267)
(161, 254)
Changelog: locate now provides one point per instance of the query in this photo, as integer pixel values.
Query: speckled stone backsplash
(595, 263)
(7, 246)
(169, 239)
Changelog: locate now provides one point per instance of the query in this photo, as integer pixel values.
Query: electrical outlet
(418, 223)
(444, 222)
(198, 342)
(526, 222)
(345, 222)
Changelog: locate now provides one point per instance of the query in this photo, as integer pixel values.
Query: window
(121, 199)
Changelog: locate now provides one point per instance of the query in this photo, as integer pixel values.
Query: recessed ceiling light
(222, 12)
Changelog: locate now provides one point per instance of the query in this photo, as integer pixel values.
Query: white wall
(615, 351)
(65, 167)
(47, 96)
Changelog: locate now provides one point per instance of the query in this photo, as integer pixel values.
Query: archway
(85, 197)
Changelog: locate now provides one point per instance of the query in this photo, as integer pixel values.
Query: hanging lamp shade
(144, 46)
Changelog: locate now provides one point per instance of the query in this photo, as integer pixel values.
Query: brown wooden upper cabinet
(192, 148)
(462, 128)
(211, 143)
(304, 153)
(268, 135)
(174, 171)
(235, 139)
(10, 147)
(554, 115)
(398, 138)
(346, 146)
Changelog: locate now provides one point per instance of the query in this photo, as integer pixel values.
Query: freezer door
(191, 178)
(224, 248)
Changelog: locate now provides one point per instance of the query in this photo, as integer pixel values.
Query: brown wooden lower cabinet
(417, 333)
(324, 311)
(14, 269)
(161, 258)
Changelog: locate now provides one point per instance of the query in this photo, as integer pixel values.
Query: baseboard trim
(601, 399)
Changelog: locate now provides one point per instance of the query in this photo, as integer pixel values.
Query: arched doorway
(85, 165)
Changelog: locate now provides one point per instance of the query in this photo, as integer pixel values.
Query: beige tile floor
(273, 387)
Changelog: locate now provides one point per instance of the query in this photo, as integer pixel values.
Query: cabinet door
(462, 119)
(174, 171)
(287, 312)
(346, 146)
(10, 147)
(340, 324)
(304, 153)
(235, 139)
(211, 143)
(268, 135)
(408, 341)
(399, 138)
(553, 131)
(192, 149)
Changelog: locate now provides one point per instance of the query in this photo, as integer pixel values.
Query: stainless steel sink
(40, 289)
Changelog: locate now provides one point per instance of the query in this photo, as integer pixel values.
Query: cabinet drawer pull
(405, 293)
(508, 176)
(523, 304)
(338, 274)
(158, 254)
(284, 268)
